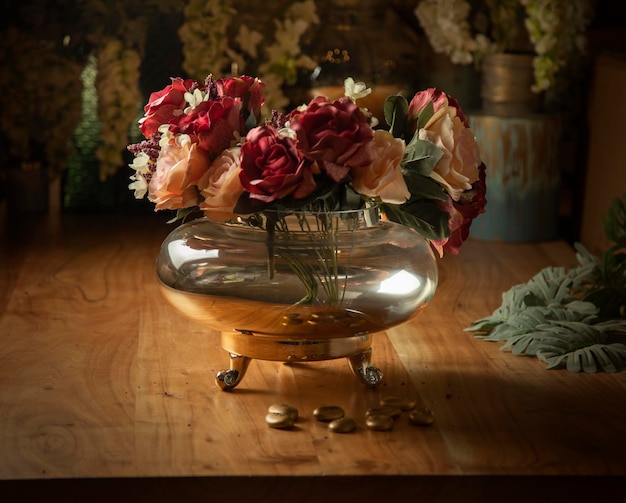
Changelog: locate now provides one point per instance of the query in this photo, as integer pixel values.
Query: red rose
(249, 89)
(164, 105)
(213, 124)
(335, 134)
(273, 168)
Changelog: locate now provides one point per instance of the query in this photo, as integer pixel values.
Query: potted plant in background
(522, 47)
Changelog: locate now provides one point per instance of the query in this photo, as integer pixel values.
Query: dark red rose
(336, 134)
(273, 168)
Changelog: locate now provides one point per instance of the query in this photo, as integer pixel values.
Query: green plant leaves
(396, 111)
(546, 318)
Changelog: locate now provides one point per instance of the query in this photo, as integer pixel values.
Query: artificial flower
(213, 153)
(448, 128)
(179, 167)
(272, 166)
(383, 178)
(220, 187)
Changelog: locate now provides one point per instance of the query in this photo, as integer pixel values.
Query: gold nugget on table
(328, 413)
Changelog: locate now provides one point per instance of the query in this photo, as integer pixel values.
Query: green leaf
(424, 187)
(423, 216)
(396, 110)
(182, 214)
(421, 156)
(251, 121)
(425, 115)
(608, 357)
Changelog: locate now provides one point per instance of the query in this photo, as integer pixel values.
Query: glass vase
(300, 286)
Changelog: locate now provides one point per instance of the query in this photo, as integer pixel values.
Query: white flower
(139, 185)
(287, 132)
(355, 90)
(194, 99)
(141, 163)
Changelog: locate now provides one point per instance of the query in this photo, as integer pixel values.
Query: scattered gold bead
(342, 425)
(328, 413)
(422, 417)
(379, 422)
(283, 408)
(280, 421)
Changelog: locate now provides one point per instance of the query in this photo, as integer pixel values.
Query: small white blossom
(139, 185)
(194, 99)
(287, 132)
(355, 90)
(141, 163)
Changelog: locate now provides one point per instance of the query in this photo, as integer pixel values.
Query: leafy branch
(565, 317)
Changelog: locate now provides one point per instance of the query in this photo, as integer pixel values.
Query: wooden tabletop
(101, 381)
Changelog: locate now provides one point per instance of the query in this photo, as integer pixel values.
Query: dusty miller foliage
(566, 318)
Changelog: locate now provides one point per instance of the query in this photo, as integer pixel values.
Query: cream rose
(458, 167)
(178, 168)
(220, 186)
(383, 177)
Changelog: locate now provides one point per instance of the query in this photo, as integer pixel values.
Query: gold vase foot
(228, 379)
(360, 366)
(356, 349)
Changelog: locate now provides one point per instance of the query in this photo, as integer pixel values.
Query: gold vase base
(243, 347)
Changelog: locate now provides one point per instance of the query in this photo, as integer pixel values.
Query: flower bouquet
(208, 150)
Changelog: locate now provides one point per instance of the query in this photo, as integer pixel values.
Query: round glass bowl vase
(315, 286)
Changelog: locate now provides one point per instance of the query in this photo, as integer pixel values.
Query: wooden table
(105, 388)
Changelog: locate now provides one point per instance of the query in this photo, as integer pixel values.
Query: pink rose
(447, 129)
(220, 186)
(213, 124)
(178, 168)
(249, 89)
(383, 178)
(273, 168)
(439, 100)
(164, 105)
(335, 134)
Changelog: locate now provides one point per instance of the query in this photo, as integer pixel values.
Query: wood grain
(101, 378)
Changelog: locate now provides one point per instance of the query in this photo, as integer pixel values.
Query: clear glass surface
(343, 274)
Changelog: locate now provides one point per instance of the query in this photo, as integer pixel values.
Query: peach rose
(383, 178)
(178, 168)
(220, 186)
(458, 167)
